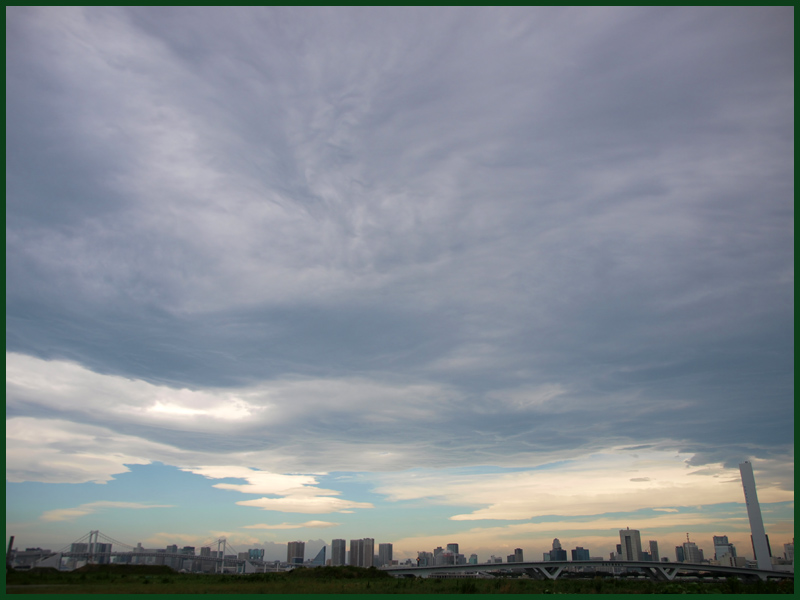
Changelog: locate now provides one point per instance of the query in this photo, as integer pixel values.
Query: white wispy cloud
(306, 504)
(310, 524)
(298, 493)
(70, 514)
(580, 486)
(67, 386)
(258, 482)
(55, 451)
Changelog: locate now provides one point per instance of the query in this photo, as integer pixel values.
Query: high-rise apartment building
(452, 548)
(362, 552)
(338, 553)
(295, 553)
(631, 543)
(368, 552)
(759, 536)
(654, 551)
(384, 554)
(356, 553)
(518, 555)
(679, 557)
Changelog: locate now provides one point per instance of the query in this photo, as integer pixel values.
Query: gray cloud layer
(492, 203)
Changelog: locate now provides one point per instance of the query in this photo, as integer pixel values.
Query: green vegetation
(144, 579)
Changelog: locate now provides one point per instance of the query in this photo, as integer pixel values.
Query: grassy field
(120, 579)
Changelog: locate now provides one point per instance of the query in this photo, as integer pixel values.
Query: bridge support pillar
(545, 572)
(535, 574)
(661, 573)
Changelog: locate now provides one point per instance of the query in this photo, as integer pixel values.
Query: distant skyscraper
(384, 554)
(338, 553)
(580, 553)
(473, 558)
(679, 556)
(618, 554)
(654, 551)
(631, 543)
(759, 536)
(368, 552)
(557, 553)
(691, 553)
(356, 553)
(452, 548)
(518, 555)
(252, 554)
(722, 547)
(295, 553)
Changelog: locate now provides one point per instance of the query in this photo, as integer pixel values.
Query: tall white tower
(754, 514)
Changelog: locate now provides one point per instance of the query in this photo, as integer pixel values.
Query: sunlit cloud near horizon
(423, 274)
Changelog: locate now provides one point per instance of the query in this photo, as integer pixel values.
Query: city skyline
(301, 552)
(416, 275)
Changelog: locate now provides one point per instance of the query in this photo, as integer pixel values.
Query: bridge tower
(759, 536)
(93, 540)
(221, 564)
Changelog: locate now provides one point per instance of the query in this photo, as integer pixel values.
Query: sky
(489, 276)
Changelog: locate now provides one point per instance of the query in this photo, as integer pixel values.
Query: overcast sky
(428, 275)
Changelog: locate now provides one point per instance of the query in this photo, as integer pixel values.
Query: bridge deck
(552, 569)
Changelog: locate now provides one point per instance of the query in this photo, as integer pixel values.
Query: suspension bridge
(98, 548)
